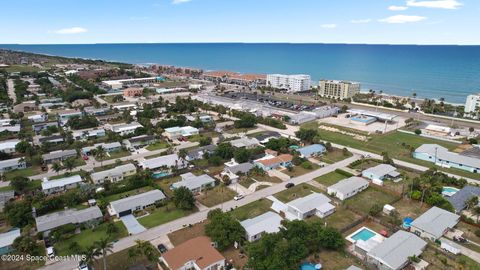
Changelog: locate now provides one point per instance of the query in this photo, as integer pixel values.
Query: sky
(251, 21)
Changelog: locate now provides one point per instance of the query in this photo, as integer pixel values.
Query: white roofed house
(268, 222)
(59, 155)
(8, 147)
(195, 184)
(434, 223)
(114, 175)
(12, 164)
(90, 216)
(347, 188)
(123, 129)
(177, 132)
(107, 147)
(7, 239)
(65, 115)
(128, 205)
(139, 141)
(60, 185)
(310, 205)
(245, 142)
(380, 173)
(442, 157)
(163, 163)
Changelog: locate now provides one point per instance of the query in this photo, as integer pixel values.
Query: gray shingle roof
(59, 154)
(268, 222)
(119, 170)
(435, 221)
(443, 154)
(309, 202)
(459, 199)
(348, 185)
(381, 170)
(143, 199)
(241, 168)
(192, 182)
(69, 216)
(395, 250)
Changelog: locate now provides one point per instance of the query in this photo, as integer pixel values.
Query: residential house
(434, 223)
(124, 106)
(268, 222)
(195, 184)
(199, 152)
(128, 205)
(65, 115)
(310, 205)
(347, 188)
(460, 198)
(124, 129)
(50, 187)
(197, 253)
(6, 196)
(38, 118)
(12, 164)
(311, 150)
(87, 134)
(96, 111)
(58, 156)
(90, 217)
(37, 128)
(161, 162)
(9, 125)
(139, 141)
(107, 147)
(245, 142)
(114, 175)
(233, 172)
(380, 173)
(8, 147)
(268, 162)
(266, 136)
(177, 132)
(53, 139)
(442, 157)
(394, 253)
(7, 239)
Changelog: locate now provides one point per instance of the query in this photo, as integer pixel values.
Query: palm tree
(69, 164)
(476, 211)
(100, 154)
(104, 246)
(90, 254)
(472, 202)
(182, 153)
(56, 167)
(146, 249)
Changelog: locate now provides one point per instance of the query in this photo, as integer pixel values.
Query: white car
(50, 252)
(238, 197)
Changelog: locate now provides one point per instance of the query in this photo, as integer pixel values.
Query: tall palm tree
(100, 154)
(146, 249)
(104, 246)
(69, 164)
(56, 167)
(91, 253)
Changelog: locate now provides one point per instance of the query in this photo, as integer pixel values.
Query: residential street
(11, 90)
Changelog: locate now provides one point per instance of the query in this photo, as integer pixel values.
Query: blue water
(364, 235)
(450, 189)
(160, 174)
(451, 72)
(307, 266)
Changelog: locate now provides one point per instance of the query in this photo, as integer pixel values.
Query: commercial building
(6, 241)
(8, 147)
(60, 185)
(380, 173)
(90, 216)
(338, 89)
(12, 164)
(472, 105)
(434, 223)
(127, 206)
(118, 84)
(268, 222)
(114, 175)
(177, 132)
(270, 162)
(442, 157)
(394, 253)
(197, 253)
(291, 83)
(125, 106)
(311, 150)
(347, 188)
(133, 92)
(124, 129)
(58, 156)
(195, 184)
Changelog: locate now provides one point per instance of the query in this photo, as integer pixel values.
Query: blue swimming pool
(310, 266)
(160, 174)
(449, 191)
(365, 119)
(364, 235)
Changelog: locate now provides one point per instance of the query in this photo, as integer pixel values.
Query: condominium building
(472, 106)
(338, 89)
(292, 83)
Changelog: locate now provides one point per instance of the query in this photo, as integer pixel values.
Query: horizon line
(246, 43)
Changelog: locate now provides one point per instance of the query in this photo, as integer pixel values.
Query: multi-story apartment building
(338, 89)
(292, 83)
(472, 106)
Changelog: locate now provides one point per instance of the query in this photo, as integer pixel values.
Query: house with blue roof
(311, 150)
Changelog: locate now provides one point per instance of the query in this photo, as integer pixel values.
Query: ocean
(449, 72)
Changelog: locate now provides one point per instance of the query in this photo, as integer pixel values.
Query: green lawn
(299, 170)
(246, 181)
(122, 195)
(341, 218)
(115, 155)
(166, 183)
(330, 178)
(6, 188)
(334, 156)
(163, 215)
(24, 172)
(87, 237)
(252, 209)
(364, 200)
(296, 192)
(216, 196)
(121, 261)
(157, 146)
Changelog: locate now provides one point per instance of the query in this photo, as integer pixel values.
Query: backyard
(364, 200)
(122, 261)
(341, 218)
(114, 155)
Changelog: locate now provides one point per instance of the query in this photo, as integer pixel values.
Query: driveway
(132, 225)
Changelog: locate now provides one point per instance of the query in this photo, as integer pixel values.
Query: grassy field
(410, 208)
(364, 200)
(246, 181)
(252, 209)
(166, 183)
(216, 196)
(163, 215)
(330, 178)
(115, 155)
(24, 172)
(341, 218)
(157, 146)
(187, 233)
(438, 260)
(299, 170)
(87, 237)
(334, 156)
(296, 192)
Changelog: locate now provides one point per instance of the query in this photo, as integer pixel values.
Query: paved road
(11, 90)
(162, 230)
(93, 164)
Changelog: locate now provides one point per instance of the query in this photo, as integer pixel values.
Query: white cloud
(361, 21)
(329, 26)
(176, 2)
(403, 19)
(444, 4)
(397, 8)
(70, 31)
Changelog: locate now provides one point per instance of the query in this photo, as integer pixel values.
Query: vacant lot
(122, 261)
(334, 156)
(410, 208)
(341, 218)
(299, 170)
(252, 209)
(216, 196)
(363, 201)
(163, 215)
(330, 178)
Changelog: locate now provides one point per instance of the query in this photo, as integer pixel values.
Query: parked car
(162, 248)
(289, 185)
(50, 252)
(238, 197)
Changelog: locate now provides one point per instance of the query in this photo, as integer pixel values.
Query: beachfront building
(338, 89)
(58, 156)
(394, 253)
(114, 175)
(270, 162)
(60, 185)
(291, 83)
(195, 184)
(12, 164)
(177, 132)
(128, 205)
(124, 129)
(8, 147)
(118, 84)
(434, 223)
(7, 239)
(268, 222)
(311, 150)
(380, 173)
(91, 216)
(472, 105)
(310, 205)
(347, 188)
(442, 157)
(197, 253)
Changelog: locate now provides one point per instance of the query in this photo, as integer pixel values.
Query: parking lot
(269, 100)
